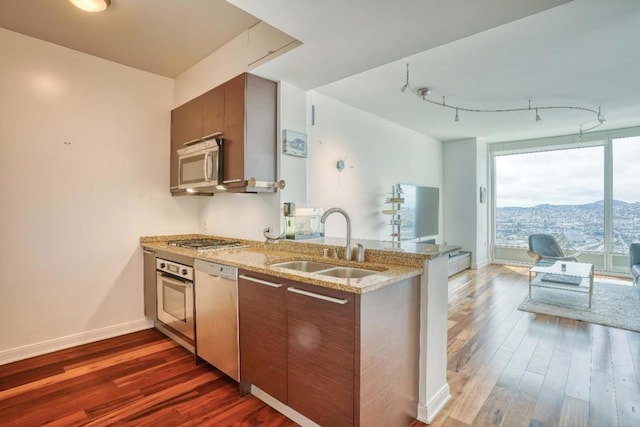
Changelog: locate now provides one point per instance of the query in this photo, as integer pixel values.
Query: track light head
(403, 89)
(457, 118)
(423, 92)
(538, 118)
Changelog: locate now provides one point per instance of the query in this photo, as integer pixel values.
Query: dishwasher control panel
(215, 269)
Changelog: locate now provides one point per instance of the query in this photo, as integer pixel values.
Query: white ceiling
(482, 53)
(582, 53)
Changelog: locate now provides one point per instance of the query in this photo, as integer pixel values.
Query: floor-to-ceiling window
(584, 193)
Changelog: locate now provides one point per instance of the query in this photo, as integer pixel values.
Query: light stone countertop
(392, 264)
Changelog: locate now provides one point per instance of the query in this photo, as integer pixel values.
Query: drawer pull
(262, 282)
(318, 296)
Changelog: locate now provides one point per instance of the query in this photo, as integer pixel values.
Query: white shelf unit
(395, 200)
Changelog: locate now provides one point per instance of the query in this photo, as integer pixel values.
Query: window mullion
(608, 204)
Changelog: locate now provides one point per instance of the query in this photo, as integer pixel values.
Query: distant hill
(594, 205)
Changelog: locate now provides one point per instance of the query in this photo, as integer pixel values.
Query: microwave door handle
(206, 166)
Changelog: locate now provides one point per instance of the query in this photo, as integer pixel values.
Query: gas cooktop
(205, 244)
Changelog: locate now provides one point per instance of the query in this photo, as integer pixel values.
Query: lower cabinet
(262, 315)
(338, 358)
(150, 289)
(321, 353)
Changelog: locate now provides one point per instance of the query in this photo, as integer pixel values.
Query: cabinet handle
(193, 141)
(318, 296)
(148, 252)
(213, 135)
(262, 282)
(231, 180)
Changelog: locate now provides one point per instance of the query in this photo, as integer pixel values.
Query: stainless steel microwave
(200, 165)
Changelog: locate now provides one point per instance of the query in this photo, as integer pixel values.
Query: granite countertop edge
(392, 265)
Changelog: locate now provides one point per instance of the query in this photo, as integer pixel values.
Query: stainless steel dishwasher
(216, 295)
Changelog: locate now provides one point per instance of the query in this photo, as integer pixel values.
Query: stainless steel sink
(347, 272)
(304, 266)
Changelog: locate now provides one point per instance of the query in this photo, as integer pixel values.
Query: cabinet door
(321, 365)
(234, 129)
(213, 111)
(149, 277)
(263, 340)
(186, 125)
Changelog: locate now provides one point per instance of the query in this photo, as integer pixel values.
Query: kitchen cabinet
(244, 109)
(263, 333)
(321, 353)
(193, 120)
(250, 113)
(338, 358)
(150, 290)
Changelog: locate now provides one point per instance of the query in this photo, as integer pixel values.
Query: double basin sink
(325, 269)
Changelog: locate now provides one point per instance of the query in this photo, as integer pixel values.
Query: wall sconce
(91, 5)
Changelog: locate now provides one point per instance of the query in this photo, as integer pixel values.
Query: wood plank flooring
(511, 368)
(505, 368)
(139, 379)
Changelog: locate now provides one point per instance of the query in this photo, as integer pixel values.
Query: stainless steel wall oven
(176, 302)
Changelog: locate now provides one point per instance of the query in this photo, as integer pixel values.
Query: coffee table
(559, 269)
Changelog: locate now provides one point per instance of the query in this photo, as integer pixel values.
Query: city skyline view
(562, 192)
(576, 227)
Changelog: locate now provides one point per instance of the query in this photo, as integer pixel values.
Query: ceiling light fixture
(91, 5)
(423, 92)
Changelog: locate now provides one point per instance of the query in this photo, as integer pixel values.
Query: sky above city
(567, 177)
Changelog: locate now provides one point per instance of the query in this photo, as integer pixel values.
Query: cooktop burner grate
(202, 244)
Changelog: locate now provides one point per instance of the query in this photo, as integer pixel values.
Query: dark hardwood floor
(139, 379)
(506, 368)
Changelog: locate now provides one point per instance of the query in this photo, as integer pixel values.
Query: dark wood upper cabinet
(186, 125)
(250, 130)
(244, 109)
(213, 111)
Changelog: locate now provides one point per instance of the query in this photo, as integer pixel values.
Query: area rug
(612, 305)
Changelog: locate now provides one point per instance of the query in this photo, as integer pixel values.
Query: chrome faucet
(347, 248)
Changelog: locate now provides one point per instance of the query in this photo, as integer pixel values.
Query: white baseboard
(427, 413)
(481, 264)
(44, 347)
(285, 410)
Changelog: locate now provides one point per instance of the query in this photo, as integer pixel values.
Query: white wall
(83, 163)
(465, 171)
(377, 154)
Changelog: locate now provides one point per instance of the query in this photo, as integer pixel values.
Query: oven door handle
(174, 281)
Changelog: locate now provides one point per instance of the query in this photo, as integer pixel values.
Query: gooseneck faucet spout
(347, 248)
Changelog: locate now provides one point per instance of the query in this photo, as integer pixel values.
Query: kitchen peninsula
(376, 356)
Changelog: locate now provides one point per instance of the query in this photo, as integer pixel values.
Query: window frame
(608, 261)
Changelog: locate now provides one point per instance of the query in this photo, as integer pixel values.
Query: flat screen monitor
(419, 212)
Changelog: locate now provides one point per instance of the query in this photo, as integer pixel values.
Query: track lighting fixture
(423, 93)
